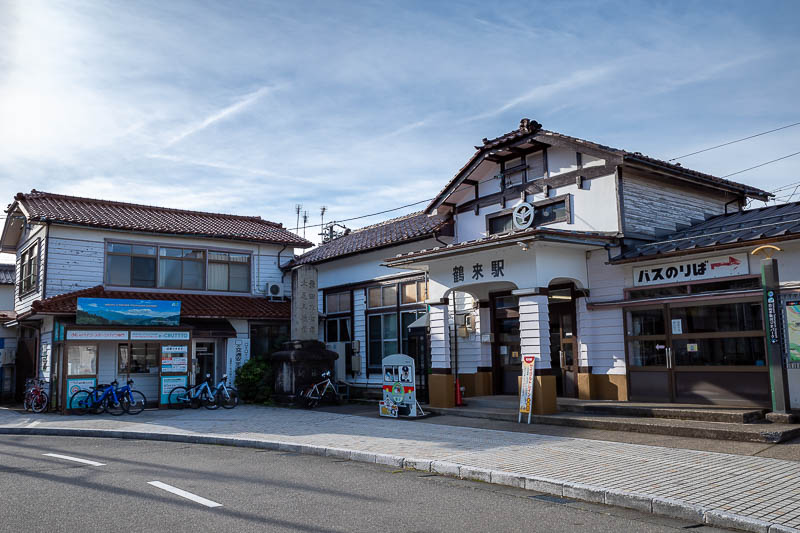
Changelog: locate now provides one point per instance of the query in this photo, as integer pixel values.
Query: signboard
(96, 335)
(772, 317)
(114, 311)
(526, 388)
(793, 330)
(159, 335)
(305, 307)
(74, 385)
(238, 354)
(399, 387)
(174, 358)
(691, 270)
(168, 383)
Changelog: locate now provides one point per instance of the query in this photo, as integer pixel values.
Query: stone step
(733, 416)
(763, 432)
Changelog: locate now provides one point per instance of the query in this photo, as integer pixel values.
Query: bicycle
(227, 397)
(84, 401)
(35, 398)
(180, 396)
(324, 390)
(132, 400)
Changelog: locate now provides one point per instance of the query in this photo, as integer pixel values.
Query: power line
(733, 142)
(760, 165)
(369, 215)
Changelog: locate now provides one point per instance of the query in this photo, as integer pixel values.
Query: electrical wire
(734, 142)
(364, 216)
(760, 165)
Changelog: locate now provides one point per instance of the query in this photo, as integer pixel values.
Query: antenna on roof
(305, 221)
(297, 209)
(322, 211)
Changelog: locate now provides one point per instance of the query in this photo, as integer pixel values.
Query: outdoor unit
(274, 290)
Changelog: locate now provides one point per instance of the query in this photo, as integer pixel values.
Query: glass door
(649, 355)
(506, 348)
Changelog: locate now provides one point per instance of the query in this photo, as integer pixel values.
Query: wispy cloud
(226, 112)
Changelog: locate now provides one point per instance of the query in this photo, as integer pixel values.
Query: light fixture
(523, 245)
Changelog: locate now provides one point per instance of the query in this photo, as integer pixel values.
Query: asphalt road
(257, 490)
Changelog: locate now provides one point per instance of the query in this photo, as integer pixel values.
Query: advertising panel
(115, 311)
(168, 383)
(399, 387)
(691, 270)
(238, 354)
(174, 358)
(159, 335)
(74, 385)
(96, 335)
(526, 388)
(793, 330)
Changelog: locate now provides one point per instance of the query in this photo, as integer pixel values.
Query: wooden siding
(469, 348)
(73, 265)
(653, 207)
(21, 305)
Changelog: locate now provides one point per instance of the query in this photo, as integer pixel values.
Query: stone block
(339, 453)
(587, 493)
(362, 457)
(443, 467)
(630, 500)
(508, 479)
(412, 463)
(678, 509)
(386, 459)
(545, 486)
(734, 521)
(475, 474)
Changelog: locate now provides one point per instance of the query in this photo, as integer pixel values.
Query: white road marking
(34, 423)
(76, 459)
(184, 494)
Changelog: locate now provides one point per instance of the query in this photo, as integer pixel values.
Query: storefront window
(648, 353)
(138, 358)
(717, 318)
(82, 359)
(646, 322)
(720, 351)
(382, 337)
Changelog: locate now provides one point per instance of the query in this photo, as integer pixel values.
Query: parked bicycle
(132, 400)
(227, 397)
(313, 394)
(102, 398)
(181, 397)
(35, 398)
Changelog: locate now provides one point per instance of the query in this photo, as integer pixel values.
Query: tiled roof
(48, 207)
(742, 228)
(530, 129)
(395, 231)
(598, 238)
(192, 305)
(6, 274)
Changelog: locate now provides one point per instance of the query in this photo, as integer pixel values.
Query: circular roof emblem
(523, 216)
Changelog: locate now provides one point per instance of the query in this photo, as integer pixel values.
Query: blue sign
(113, 311)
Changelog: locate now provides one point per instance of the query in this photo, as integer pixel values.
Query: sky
(254, 107)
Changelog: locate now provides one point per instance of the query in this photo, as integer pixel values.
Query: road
(132, 485)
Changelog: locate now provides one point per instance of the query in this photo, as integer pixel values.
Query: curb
(669, 507)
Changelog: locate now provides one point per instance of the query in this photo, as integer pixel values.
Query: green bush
(254, 381)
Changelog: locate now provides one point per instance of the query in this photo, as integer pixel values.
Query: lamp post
(770, 285)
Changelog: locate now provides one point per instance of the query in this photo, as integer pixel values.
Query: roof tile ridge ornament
(44, 195)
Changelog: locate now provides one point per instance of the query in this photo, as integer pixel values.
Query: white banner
(238, 353)
(691, 270)
(96, 335)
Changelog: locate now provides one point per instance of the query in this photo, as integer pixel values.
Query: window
(382, 332)
(138, 358)
(131, 265)
(267, 338)
(337, 303)
(500, 224)
(414, 292)
(228, 272)
(382, 296)
(29, 266)
(406, 319)
(337, 330)
(82, 359)
(181, 268)
(550, 212)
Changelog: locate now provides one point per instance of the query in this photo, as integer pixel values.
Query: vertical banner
(238, 353)
(526, 388)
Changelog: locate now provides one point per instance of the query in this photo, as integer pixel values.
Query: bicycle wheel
(178, 398)
(301, 398)
(96, 404)
(330, 396)
(79, 402)
(114, 408)
(230, 401)
(209, 401)
(40, 402)
(134, 402)
(26, 401)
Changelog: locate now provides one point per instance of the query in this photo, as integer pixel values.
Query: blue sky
(251, 108)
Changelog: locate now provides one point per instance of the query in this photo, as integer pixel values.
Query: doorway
(563, 344)
(204, 355)
(506, 348)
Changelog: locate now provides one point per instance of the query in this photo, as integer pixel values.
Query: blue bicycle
(101, 398)
(181, 397)
(132, 400)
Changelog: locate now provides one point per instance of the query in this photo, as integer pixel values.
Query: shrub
(254, 381)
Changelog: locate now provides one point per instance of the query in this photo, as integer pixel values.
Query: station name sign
(691, 270)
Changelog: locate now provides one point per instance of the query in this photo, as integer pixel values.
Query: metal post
(778, 379)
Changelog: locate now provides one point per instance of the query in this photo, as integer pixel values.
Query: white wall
(37, 232)
(6, 297)
(561, 160)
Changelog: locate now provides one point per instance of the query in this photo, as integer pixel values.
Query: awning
(420, 325)
(209, 328)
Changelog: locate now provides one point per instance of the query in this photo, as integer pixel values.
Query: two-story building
(539, 263)
(109, 290)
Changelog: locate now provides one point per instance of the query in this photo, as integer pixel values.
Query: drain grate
(550, 499)
(694, 526)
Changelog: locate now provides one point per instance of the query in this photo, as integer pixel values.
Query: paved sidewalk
(751, 493)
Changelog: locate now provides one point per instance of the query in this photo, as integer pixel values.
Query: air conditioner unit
(274, 290)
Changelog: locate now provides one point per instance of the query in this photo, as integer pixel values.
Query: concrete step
(751, 432)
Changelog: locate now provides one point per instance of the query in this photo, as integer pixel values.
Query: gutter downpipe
(283, 272)
(436, 238)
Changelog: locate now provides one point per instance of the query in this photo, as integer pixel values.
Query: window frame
(69, 345)
(340, 295)
(158, 257)
(210, 261)
(383, 341)
(29, 269)
(566, 198)
(129, 346)
(131, 255)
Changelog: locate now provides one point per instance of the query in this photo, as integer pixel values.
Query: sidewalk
(751, 493)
